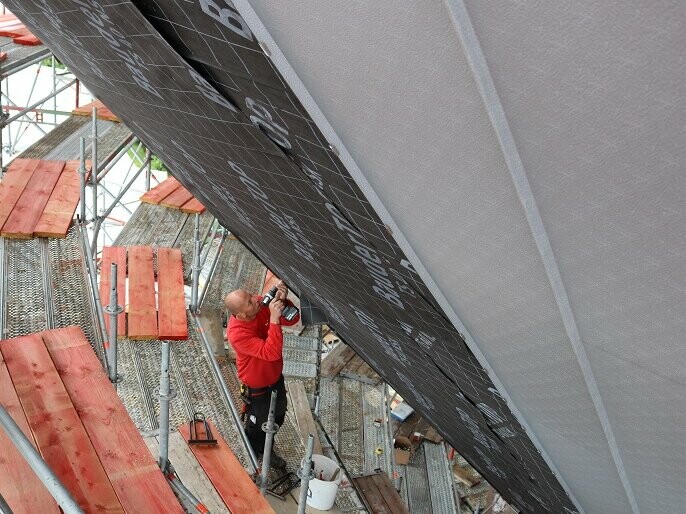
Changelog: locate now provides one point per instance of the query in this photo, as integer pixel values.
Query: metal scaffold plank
(440, 478)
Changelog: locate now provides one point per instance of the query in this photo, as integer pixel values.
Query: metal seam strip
(496, 113)
(3, 285)
(308, 102)
(47, 283)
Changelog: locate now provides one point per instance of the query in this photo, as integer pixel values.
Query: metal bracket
(117, 310)
(170, 396)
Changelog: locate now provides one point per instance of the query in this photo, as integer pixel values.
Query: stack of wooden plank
(153, 312)
(170, 193)
(104, 112)
(55, 389)
(38, 198)
(11, 26)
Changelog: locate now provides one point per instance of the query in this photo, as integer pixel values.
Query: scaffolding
(63, 273)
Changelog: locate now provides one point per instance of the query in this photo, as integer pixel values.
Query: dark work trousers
(258, 412)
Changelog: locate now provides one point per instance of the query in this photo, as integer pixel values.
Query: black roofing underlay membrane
(192, 82)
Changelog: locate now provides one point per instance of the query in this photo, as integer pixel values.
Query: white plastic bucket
(322, 493)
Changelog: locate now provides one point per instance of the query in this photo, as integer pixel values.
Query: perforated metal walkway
(43, 286)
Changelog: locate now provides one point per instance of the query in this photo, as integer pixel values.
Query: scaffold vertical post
(148, 169)
(196, 265)
(38, 465)
(389, 428)
(269, 428)
(318, 376)
(113, 309)
(3, 117)
(93, 275)
(166, 396)
(94, 164)
(54, 88)
(305, 474)
(82, 176)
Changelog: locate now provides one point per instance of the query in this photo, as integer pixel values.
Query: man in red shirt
(254, 331)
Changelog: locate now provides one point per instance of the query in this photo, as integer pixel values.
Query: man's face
(251, 306)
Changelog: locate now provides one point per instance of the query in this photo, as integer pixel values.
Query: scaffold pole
(269, 428)
(113, 309)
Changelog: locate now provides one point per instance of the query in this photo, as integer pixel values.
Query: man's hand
(275, 309)
(282, 292)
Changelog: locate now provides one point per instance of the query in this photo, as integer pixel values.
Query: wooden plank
(353, 365)
(14, 31)
(32, 201)
(270, 280)
(189, 470)
(171, 305)
(13, 184)
(229, 478)
(135, 476)
(28, 40)
(336, 360)
(303, 414)
(57, 429)
(114, 254)
(161, 191)
(59, 211)
(19, 485)
(372, 496)
(104, 112)
(464, 477)
(193, 206)
(177, 198)
(142, 308)
(390, 495)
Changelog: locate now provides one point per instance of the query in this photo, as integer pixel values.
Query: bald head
(242, 304)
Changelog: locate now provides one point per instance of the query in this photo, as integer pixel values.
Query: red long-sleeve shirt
(259, 347)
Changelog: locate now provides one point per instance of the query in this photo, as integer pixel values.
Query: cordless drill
(289, 311)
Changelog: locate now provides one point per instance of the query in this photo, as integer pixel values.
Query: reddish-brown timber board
(57, 429)
(27, 40)
(193, 206)
(171, 304)
(19, 485)
(161, 191)
(3, 56)
(227, 475)
(104, 112)
(142, 308)
(13, 184)
(116, 255)
(176, 199)
(14, 31)
(371, 495)
(59, 211)
(32, 201)
(134, 474)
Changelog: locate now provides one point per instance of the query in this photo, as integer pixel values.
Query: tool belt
(247, 393)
